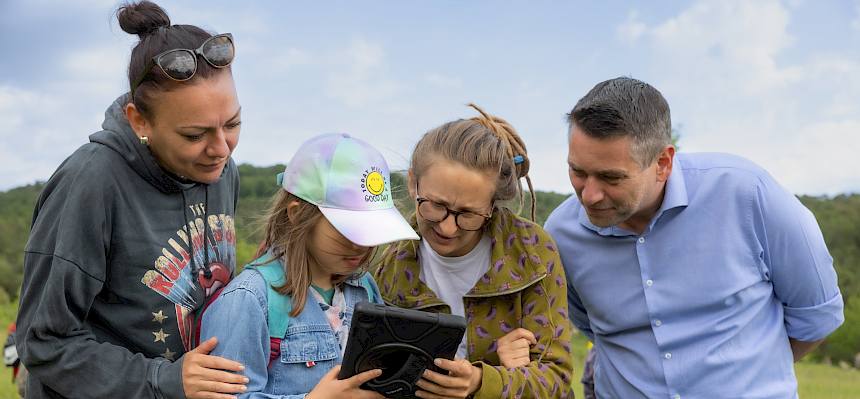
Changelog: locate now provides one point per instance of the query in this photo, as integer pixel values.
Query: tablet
(401, 342)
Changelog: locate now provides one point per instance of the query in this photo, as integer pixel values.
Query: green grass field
(817, 381)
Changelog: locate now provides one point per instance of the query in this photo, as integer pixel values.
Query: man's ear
(664, 163)
(410, 184)
(138, 122)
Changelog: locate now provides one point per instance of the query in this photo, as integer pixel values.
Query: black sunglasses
(180, 64)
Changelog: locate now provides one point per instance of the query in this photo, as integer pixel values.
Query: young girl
(286, 317)
(479, 260)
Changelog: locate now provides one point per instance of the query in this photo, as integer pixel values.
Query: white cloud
(99, 5)
(252, 24)
(721, 66)
(98, 71)
(289, 58)
(46, 121)
(632, 29)
(731, 39)
(362, 81)
(856, 23)
(31, 151)
(444, 82)
(821, 158)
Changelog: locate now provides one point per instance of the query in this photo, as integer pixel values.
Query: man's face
(612, 187)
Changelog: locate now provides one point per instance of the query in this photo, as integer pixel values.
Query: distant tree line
(839, 218)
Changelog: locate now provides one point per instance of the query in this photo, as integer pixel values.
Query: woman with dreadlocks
(478, 259)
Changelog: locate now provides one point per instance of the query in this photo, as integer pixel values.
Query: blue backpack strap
(279, 306)
(366, 282)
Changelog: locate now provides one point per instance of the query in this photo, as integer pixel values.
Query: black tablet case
(401, 342)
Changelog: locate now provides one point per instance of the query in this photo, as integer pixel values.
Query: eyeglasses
(180, 64)
(435, 212)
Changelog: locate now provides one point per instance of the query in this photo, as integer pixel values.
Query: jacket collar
(515, 264)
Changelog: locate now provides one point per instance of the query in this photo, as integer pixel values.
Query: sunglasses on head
(180, 64)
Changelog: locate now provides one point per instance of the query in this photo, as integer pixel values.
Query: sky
(777, 82)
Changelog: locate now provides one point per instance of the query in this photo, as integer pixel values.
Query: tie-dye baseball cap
(349, 181)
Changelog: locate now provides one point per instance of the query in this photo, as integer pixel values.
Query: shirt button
(649, 282)
(676, 397)
(641, 240)
(667, 355)
(658, 323)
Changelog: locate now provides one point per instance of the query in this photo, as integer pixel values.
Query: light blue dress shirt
(703, 302)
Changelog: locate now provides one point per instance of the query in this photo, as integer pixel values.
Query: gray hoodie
(111, 289)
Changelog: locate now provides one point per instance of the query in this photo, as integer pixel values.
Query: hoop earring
(144, 140)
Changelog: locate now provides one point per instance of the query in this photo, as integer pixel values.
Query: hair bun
(142, 18)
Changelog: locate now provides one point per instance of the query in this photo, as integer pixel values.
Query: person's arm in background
(799, 267)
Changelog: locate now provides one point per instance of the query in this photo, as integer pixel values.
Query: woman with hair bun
(134, 231)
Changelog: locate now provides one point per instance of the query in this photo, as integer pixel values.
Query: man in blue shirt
(696, 275)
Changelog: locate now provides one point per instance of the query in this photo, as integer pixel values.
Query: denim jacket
(308, 351)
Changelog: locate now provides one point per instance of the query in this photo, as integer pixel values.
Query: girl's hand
(513, 348)
(330, 387)
(209, 377)
(463, 379)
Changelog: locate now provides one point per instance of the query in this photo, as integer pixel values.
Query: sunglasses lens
(178, 64)
(219, 51)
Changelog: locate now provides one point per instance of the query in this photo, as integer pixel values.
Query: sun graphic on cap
(375, 183)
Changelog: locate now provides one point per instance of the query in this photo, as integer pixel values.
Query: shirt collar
(676, 191)
(675, 196)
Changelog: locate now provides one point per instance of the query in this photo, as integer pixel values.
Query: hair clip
(519, 159)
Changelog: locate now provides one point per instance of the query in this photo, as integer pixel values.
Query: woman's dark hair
(151, 23)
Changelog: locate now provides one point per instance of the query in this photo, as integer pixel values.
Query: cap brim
(370, 228)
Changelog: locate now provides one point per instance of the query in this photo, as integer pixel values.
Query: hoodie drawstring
(206, 272)
(195, 268)
(188, 234)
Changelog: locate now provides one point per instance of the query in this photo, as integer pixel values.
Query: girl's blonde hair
(484, 143)
(288, 240)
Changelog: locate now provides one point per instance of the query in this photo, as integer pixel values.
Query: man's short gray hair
(626, 107)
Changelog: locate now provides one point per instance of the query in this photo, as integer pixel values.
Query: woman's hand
(330, 387)
(209, 377)
(513, 348)
(463, 379)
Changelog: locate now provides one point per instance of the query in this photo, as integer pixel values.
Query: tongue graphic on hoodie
(219, 277)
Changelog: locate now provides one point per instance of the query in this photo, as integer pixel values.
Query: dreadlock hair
(484, 143)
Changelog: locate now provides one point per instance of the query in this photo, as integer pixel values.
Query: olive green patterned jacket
(524, 287)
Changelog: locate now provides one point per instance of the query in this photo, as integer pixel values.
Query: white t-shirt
(452, 277)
